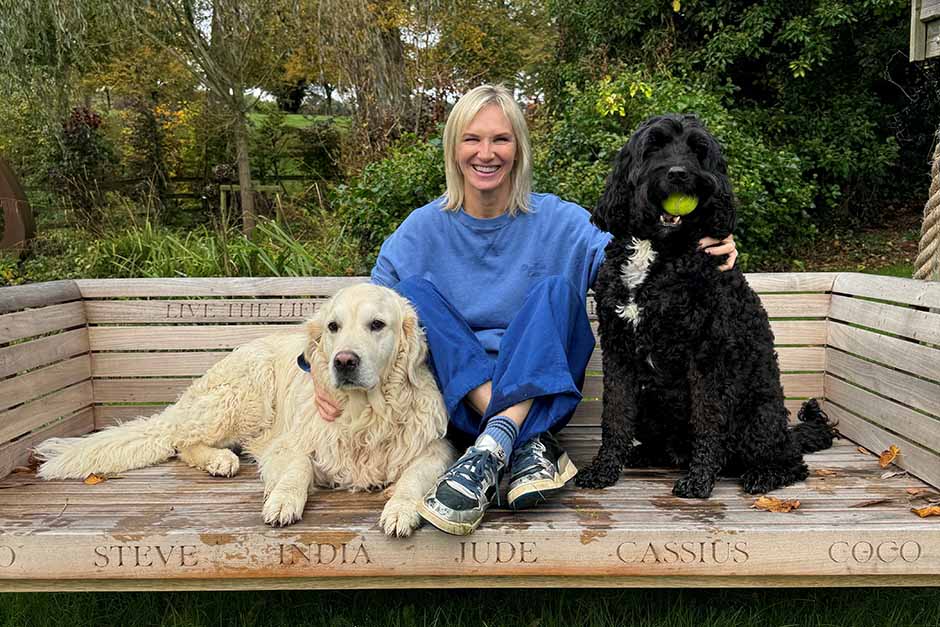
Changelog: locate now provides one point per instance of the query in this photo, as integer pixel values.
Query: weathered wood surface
(223, 287)
(913, 457)
(43, 351)
(326, 286)
(210, 337)
(28, 416)
(923, 326)
(37, 295)
(173, 522)
(17, 454)
(466, 581)
(222, 310)
(33, 322)
(171, 526)
(907, 291)
(929, 10)
(932, 49)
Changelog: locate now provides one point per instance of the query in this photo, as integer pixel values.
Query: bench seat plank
(172, 522)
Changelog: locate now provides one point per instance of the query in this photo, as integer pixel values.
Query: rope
(927, 264)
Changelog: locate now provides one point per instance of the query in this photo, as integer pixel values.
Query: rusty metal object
(18, 224)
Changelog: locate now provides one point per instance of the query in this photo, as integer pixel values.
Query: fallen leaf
(95, 479)
(863, 451)
(23, 470)
(888, 456)
(872, 502)
(773, 504)
(924, 512)
(825, 472)
(894, 473)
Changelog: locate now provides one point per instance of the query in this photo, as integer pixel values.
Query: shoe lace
(477, 467)
(533, 455)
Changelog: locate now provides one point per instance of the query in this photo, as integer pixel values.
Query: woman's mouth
(485, 170)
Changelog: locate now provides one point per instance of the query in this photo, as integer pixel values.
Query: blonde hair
(460, 117)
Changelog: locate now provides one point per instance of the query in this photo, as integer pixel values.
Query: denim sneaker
(464, 492)
(540, 467)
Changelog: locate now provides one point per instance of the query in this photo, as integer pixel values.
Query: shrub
(375, 202)
(320, 149)
(574, 151)
(84, 162)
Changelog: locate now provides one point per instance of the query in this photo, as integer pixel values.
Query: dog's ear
(314, 330)
(612, 212)
(412, 350)
(618, 192)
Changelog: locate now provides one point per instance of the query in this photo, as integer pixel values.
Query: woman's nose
(486, 149)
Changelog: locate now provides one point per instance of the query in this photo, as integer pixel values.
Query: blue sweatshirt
(484, 267)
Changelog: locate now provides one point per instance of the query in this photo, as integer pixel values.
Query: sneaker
(464, 492)
(540, 467)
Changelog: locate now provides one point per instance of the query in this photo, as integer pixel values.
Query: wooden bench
(79, 355)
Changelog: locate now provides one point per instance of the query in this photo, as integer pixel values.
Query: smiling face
(486, 152)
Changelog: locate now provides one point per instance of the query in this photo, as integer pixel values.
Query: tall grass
(319, 247)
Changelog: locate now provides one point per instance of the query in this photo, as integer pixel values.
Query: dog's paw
(763, 480)
(284, 507)
(223, 463)
(597, 476)
(400, 517)
(690, 487)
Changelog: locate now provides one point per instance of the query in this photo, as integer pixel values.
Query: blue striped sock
(503, 430)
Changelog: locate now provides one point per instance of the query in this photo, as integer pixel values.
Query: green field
(298, 120)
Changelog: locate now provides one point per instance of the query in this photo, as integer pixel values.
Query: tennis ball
(680, 204)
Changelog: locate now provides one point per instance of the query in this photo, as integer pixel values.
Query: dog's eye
(700, 149)
(333, 327)
(377, 325)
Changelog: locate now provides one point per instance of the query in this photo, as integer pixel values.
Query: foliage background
(126, 145)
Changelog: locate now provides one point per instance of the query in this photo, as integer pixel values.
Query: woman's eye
(333, 327)
(377, 325)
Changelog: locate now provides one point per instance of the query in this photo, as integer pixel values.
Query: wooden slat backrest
(151, 337)
(883, 374)
(45, 368)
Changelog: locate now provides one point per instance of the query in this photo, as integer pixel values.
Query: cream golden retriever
(365, 348)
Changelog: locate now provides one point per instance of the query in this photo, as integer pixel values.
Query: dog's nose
(346, 361)
(677, 173)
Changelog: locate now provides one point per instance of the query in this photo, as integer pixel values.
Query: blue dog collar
(303, 363)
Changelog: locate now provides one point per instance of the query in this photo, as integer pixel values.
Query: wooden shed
(925, 29)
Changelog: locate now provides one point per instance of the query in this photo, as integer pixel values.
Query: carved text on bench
(247, 309)
(137, 555)
(324, 553)
(713, 552)
(497, 552)
(864, 552)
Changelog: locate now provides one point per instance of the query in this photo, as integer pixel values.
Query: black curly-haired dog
(690, 373)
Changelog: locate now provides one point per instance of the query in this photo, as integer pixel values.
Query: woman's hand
(725, 246)
(328, 408)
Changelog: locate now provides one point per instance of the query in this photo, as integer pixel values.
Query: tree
(229, 45)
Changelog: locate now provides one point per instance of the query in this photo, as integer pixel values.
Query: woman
(499, 277)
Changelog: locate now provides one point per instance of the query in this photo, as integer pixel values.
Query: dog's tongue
(680, 204)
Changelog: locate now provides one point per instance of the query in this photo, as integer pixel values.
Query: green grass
(299, 120)
(522, 608)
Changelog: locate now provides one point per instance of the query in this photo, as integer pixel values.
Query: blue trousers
(542, 355)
